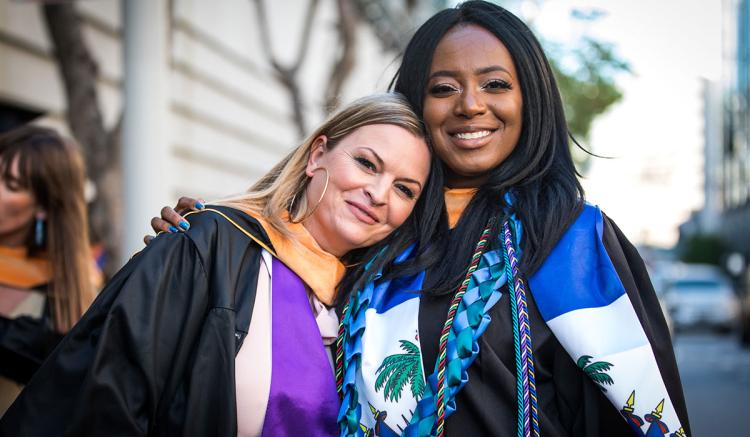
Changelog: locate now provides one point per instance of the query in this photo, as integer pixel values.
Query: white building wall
(229, 119)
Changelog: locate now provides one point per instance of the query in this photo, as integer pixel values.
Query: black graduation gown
(25, 342)
(155, 353)
(569, 403)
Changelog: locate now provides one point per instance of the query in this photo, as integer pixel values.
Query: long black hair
(540, 173)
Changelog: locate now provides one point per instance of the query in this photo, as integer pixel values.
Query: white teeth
(473, 135)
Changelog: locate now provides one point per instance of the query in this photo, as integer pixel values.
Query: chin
(352, 239)
(480, 166)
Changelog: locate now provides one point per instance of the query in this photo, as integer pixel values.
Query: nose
(376, 191)
(470, 104)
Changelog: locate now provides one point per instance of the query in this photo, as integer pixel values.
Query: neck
(319, 237)
(453, 180)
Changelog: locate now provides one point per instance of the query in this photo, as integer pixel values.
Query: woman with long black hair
(540, 318)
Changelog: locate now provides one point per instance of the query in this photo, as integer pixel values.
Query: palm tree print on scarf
(597, 371)
(397, 370)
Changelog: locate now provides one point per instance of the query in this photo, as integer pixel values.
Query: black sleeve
(110, 373)
(632, 271)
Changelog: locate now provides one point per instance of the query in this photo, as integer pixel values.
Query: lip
(470, 143)
(363, 213)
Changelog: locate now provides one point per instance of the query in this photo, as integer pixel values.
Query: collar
(456, 200)
(320, 270)
(17, 269)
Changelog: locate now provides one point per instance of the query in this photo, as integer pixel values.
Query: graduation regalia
(602, 364)
(27, 333)
(155, 353)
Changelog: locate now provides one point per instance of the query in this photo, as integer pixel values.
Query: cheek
(399, 212)
(435, 112)
(511, 110)
(447, 154)
(17, 204)
(344, 176)
(17, 211)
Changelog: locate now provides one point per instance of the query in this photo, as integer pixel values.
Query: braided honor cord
(528, 420)
(339, 359)
(481, 245)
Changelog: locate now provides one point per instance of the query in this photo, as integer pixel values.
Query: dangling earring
(291, 203)
(39, 232)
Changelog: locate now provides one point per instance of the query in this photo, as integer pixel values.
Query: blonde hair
(272, 195)
(53, 170)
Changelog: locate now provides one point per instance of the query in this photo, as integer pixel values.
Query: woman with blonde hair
(45, 276)
(222, 330)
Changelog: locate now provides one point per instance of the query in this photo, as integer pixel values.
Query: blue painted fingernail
(172, 229)
(199, 205)
(185, 225)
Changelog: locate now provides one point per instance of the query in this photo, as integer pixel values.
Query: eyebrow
(382, 164)
(478, 71)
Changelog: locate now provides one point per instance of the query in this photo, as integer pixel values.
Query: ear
(317, 151)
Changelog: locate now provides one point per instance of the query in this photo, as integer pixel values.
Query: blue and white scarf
(580, 297)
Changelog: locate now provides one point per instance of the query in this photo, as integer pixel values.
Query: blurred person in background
(222, 330)
(45, 261)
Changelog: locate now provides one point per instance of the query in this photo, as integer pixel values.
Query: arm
(108, 376)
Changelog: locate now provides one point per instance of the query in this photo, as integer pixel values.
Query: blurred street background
(200, 97)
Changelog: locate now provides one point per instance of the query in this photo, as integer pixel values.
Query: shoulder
(221, 237)
(579, 271)
(590, 219)
(592, 230)
(224, 224)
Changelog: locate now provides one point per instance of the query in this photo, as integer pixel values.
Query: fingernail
(185, 225)
(172, 229)
(199, 205)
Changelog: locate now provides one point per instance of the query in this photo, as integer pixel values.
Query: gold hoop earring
(306, 216)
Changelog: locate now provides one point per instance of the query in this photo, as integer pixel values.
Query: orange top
(320, 270)
(456, 200)
(19, 271)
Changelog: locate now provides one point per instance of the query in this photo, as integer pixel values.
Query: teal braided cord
(483, 292)
(516, 345)
(442, 362)
(530, 416)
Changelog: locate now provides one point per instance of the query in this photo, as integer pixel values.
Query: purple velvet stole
(303, 399)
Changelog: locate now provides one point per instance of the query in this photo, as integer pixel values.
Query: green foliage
(702, 249)
(585, 73)
(599, 366)
(417, 381)
(601, 378)
(597, 370)
(398, 370)
(583, 361)
(587, 86)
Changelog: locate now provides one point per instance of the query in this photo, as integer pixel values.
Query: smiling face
(473, 105)
(375, 177)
